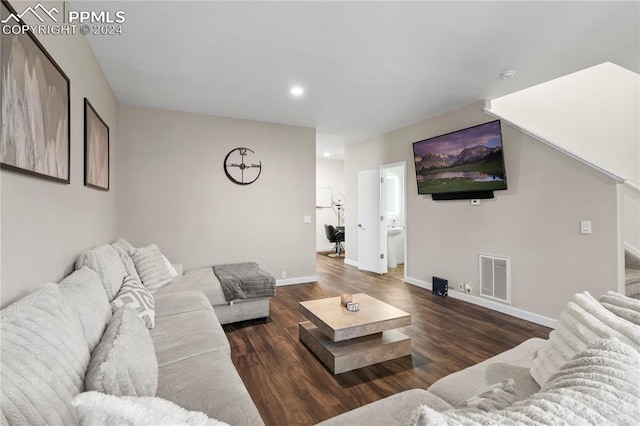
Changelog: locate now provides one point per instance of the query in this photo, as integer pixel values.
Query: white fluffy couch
(587, 372)
(90, 333)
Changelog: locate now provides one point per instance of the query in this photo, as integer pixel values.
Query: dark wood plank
(292, 387)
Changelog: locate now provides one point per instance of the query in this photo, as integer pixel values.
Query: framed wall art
(96, 149)
(35, 134)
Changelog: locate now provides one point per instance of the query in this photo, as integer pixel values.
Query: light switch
(585, 226)
(307, 219)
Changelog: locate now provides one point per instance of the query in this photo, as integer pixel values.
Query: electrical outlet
(460, 286)
(284, 274)
(467, 288)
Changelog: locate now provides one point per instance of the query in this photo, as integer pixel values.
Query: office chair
(336, 236)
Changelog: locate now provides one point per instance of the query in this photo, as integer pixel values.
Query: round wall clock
(242, 167)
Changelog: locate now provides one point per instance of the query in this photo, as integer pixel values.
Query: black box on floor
(439, 286)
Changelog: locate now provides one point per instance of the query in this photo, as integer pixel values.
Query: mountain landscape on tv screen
(463, 161)
(478, 168)
(474, 154)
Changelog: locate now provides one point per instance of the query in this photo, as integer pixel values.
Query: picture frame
(35, 127)
(96, 149)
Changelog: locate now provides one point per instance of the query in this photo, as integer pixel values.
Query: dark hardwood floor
(291, 387)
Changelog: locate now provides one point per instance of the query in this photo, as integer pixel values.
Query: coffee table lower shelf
(356, 353)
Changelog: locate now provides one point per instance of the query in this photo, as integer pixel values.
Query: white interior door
(369, 247)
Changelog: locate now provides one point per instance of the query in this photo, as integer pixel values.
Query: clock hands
(243, 152)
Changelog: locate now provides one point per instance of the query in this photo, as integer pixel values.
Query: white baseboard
(634, 250)
(505, 309)
(297, 280)
(322, 249)
(418, 283)
(350, 262)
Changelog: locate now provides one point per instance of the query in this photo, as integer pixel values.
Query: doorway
(382, 219)
(393, 208)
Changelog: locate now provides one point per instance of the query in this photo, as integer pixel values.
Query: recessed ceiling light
(507, 74)
(297, 91)
(327, 154)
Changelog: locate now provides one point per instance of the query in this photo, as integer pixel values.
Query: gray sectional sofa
(49, 335)
(587, 372)
(451, 391)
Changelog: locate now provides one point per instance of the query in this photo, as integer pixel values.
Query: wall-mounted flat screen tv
(469, 160)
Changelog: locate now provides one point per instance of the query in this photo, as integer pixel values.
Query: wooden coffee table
(345, 340)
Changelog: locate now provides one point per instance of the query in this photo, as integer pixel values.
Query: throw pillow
(122, 244)
(621, 305)
(600, 385)
(169, 266)
(583, 321)
(150, 266)
(124, 363)
(137, 297)
(127, 262)
(43, 357)
(496, 397)
(85, 294)
(106, 262)
(95, 408)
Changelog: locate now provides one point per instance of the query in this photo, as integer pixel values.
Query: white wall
(535, 222)
(45, 224)
(329, 174)
(174, 191)
(594, 113)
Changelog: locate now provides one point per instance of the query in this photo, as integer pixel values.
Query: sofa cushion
(150, 266)
(583, 321)
(202, 279)
(97, 408)
(392, 410)
(124, 362)
(43, 358)
(106, 262)
(209, 383)
(600, 385)
(180, 302)
(513, 364)
(135, 296)
(85, 294)
(184, 335)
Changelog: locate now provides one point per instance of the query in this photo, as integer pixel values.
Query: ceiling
(366, 67)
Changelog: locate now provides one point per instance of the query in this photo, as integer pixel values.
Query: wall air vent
(495, 277)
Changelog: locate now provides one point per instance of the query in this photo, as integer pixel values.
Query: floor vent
(495, 277)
